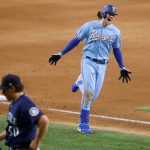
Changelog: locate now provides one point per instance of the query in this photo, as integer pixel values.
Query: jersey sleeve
(82, 32)
(117, 42)
(31, 112)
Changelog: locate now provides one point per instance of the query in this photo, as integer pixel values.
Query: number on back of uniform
(13, 131)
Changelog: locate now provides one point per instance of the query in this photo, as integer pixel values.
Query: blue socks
(84, 116)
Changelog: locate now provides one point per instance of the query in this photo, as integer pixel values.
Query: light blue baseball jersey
(99, 39)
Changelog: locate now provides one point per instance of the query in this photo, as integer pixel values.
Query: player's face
(9, 93)
(109, 18)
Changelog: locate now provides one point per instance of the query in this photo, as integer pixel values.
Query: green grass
(144, 109)
(62, 137)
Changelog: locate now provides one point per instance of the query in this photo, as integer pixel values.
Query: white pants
(90, 81)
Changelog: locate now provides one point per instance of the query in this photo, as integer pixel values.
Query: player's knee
(88, 95)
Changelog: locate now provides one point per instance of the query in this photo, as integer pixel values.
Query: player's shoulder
(28, 108)
(115, 29)
(92, 23)
(24, 98)
(25, 101)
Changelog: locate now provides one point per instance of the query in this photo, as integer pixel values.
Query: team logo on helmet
(114, 9)
(34, 111)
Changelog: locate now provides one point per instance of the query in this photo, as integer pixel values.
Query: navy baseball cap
(10, 80)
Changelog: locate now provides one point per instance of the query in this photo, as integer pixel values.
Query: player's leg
(78, 84)
(99, 81)
(89, 77)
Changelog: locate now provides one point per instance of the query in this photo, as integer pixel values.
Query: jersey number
(13, 131)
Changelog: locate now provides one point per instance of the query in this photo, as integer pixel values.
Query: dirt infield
(30, 31)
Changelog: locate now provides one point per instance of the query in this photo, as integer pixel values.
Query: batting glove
(54, 58)
(124, 75)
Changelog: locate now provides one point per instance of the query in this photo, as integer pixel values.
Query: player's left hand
(124, 75)
(34, 145)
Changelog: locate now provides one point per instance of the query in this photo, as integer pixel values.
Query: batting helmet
(108, 9)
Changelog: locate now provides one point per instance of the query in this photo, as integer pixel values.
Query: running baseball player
(101, 36)
(23, 117)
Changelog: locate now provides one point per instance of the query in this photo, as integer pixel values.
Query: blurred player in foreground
(26, 123)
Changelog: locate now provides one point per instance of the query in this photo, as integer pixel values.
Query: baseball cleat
(74, 88)
(84, 128)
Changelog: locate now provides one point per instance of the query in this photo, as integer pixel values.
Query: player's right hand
(34, 145)
(2, 135)
(54, 58)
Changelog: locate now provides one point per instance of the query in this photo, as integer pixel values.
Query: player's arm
(2, 135)
(124, 73)
(41, 131)
(72, 44)
(118, 55)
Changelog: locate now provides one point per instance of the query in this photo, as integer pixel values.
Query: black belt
(102, 61)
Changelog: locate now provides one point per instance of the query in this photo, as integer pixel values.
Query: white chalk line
(97, 116)
(92, 115)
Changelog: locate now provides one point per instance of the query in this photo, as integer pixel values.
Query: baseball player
(101, 36)
(23, 117)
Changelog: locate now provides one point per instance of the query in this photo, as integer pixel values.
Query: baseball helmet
(108, 9)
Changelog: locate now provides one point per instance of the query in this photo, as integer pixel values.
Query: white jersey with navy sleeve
(99, 39)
